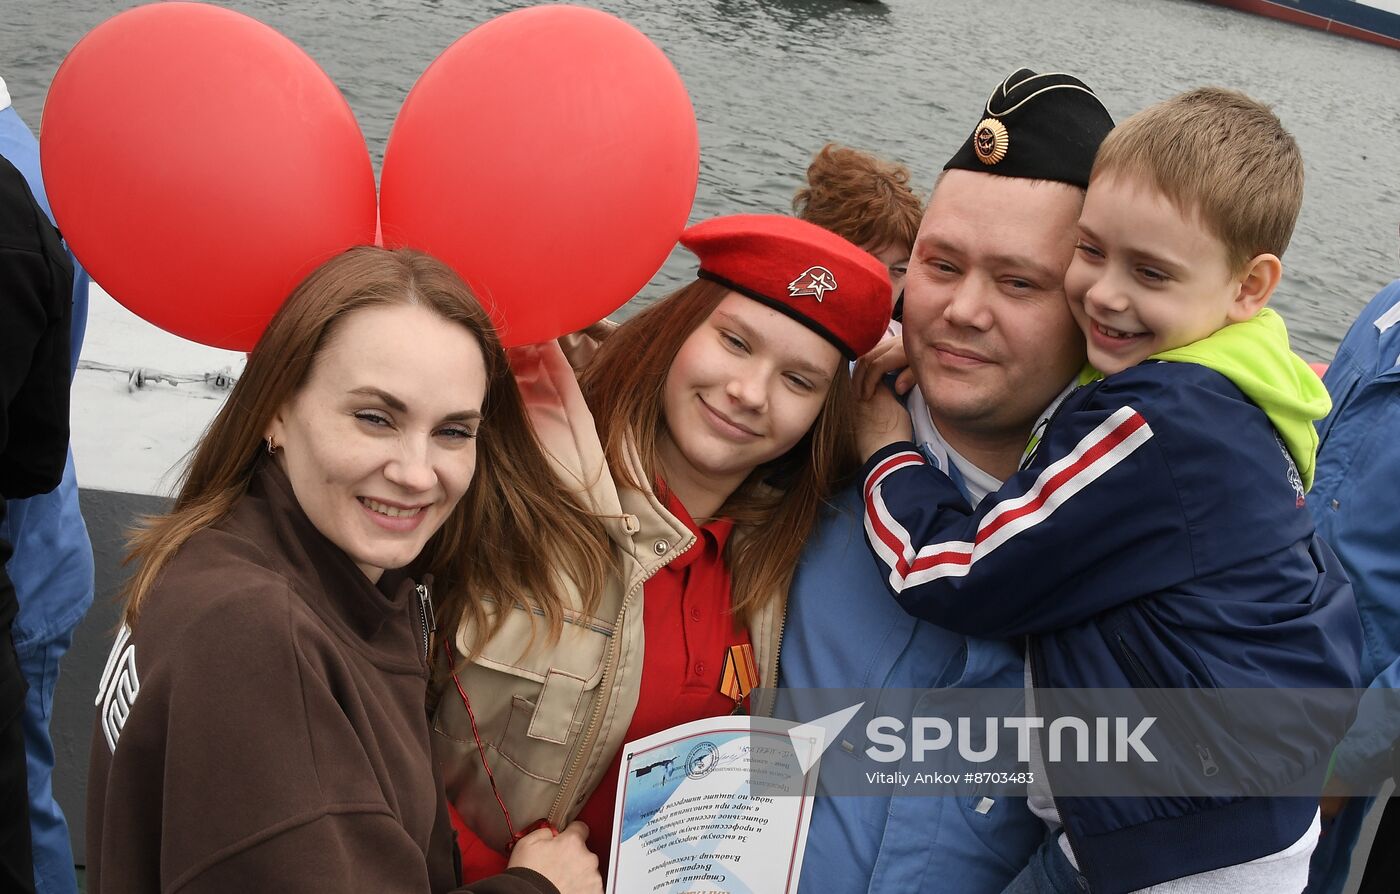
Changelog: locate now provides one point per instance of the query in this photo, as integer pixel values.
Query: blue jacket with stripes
(1156, 537)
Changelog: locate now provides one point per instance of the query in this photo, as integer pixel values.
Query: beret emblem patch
(814, 281)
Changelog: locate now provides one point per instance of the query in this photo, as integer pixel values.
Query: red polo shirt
(688, 629)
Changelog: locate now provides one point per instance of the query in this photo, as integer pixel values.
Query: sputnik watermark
(1111, 739)
(1111, 742)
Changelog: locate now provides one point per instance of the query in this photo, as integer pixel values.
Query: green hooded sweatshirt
(1255, 356)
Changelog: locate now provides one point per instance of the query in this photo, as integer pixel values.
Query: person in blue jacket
(1157, 535)
(1353, 505)
(52, 572)
(1012, 224)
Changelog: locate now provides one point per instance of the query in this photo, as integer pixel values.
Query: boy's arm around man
(1092, 520)
(1145, 483)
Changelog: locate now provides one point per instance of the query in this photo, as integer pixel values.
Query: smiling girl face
(744, 388)
(380, 442)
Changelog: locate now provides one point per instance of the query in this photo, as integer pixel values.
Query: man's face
(986, 325)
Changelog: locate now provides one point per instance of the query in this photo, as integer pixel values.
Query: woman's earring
(271, 447)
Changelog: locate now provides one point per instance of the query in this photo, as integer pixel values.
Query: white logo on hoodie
(116, 693)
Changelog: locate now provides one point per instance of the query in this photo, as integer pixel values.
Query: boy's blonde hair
(1219, 154)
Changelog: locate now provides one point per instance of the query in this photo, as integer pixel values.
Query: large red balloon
(200, 165)
(551, 157)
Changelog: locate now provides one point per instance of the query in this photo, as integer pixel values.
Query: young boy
(1156, 535)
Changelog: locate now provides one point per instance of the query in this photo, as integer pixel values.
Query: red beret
(827, 284)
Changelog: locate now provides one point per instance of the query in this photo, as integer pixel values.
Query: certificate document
(717, 806)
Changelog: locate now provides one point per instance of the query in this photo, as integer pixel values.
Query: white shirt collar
(1388, 319)
(976, 481)
(4, 96)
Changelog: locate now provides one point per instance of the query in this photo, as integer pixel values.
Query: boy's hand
(1331, 805)
(886, 357)
(881, 421)
(1334, 798)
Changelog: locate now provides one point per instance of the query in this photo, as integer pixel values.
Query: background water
(772, 80)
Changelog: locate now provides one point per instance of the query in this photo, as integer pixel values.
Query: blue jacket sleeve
(1095, 521)
(1363, 759)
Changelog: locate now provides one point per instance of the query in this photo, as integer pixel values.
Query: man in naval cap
(990, 341)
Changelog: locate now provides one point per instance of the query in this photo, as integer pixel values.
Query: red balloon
(201, 165)
(551, 157)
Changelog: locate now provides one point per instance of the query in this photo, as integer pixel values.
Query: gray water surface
(772, 80)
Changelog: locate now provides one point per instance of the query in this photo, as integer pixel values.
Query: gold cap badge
(990, 141)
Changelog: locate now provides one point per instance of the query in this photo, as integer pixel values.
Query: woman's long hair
(516, 534)
(777, 506)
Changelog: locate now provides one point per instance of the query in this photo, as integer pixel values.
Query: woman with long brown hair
(261, 720)
(704, 433)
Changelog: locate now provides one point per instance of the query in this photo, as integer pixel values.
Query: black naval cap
(1040, 126)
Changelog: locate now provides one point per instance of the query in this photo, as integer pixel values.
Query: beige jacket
(551, 718)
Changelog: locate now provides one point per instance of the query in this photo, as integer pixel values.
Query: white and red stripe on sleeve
(1107, 445)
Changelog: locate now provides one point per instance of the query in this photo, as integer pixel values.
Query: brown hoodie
(262, 728)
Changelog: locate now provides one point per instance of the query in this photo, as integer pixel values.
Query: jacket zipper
(773, 669)
(565, 788)
(1039, 431)
(604, 696)
(1140, 677)
(427, 617)
(1033, 659)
